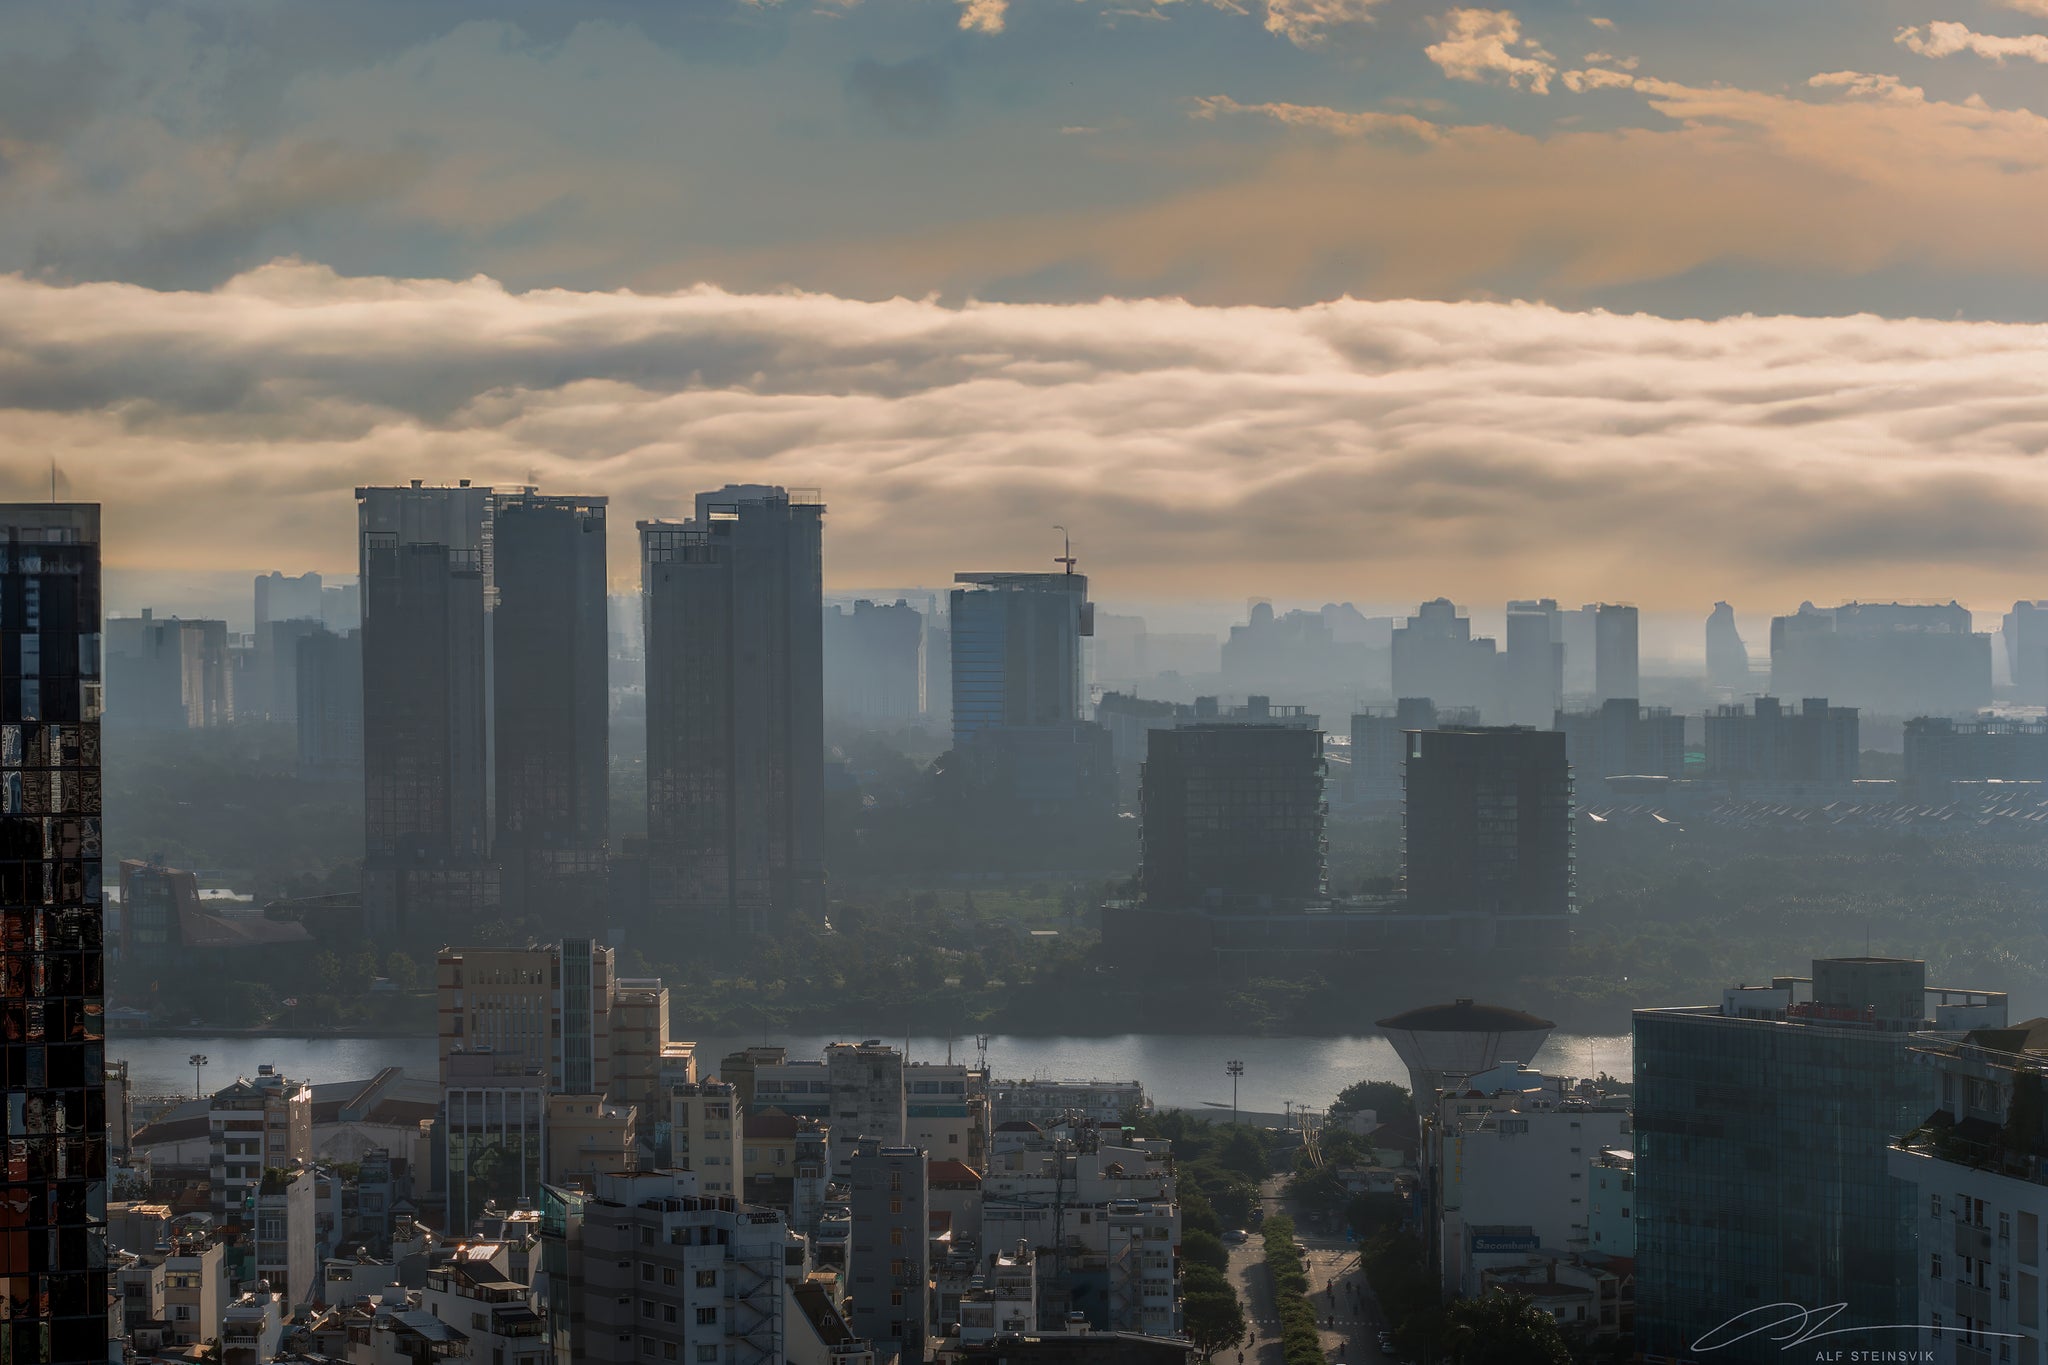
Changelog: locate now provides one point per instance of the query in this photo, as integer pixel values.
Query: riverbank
(1178, 1071)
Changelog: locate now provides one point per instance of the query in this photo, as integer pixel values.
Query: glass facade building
(53, 1195)
(1016, 650)
(1761, 1149)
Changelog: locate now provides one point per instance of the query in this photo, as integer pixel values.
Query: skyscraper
(1762, 1174)
(1487, 824)
(329, 681)
(1435, 655)
(735, 707)
(1534, 662)
(1617, 670)
(1727, 656)
(1019, 739)
(427, 588)
(874, 662)
(550, 706)
(1233, 817)
(53, 1277)
(1016, 648)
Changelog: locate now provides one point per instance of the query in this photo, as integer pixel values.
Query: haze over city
(1023, 682)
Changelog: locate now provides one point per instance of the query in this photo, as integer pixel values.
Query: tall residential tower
(53, 1276)
(427, 591)
(550, 707)
(734, 602)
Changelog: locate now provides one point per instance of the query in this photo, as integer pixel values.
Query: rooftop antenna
(1067, 543)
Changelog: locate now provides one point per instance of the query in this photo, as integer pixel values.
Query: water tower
(1442, 1044)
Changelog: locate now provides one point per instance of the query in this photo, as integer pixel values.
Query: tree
(403, 971)
(1388, 1100)
(1214, 1322)
(1500, 1328)
(1244, 1153)
(1203, 1248)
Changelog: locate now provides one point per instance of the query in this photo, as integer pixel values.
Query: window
(2005, 1227)
(953, 1138)
(707, 1317)
(705, 1353)
(1934, 1206)
(646, 1270)
(647, 1346)
(895, 1237)
(895, 1180)
(668, 1275)
(895, 1298)
(2005, 1284)
(895, 1206)
(668, 1350)
(1934, 1266)
(647, 1237)
(668, 1312)
(707, 1279)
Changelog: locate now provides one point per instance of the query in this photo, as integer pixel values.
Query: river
(1178, 1071)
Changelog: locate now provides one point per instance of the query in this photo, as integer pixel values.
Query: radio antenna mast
(1067, 543)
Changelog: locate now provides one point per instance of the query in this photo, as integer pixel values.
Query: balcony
(1972, 1302)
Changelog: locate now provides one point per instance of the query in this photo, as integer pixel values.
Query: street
(1337, 1290)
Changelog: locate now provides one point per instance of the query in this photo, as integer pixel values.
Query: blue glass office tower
(1016, 640)
(53, 1194)
(1762, 1136)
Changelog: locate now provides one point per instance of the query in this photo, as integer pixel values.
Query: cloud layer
(1379, 451)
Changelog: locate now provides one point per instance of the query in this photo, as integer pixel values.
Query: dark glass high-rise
(53, 1195)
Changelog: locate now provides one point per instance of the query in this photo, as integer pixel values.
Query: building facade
(735, 707)
(427, 589)
(260, 1123)
(1762, 1131)
(874, 663)
(1234, 817)
(669, 1274)
(1488, 832)
(889, 1260)
(1816, 743)
(1623, 739)
(551, 704)
(53, 1258)
(1976, 1166)
(1617, 669)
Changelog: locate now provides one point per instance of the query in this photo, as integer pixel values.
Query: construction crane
(1066, 556)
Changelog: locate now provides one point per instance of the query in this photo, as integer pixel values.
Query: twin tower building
(486, 721)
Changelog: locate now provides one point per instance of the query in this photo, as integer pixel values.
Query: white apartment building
(1510, 1176)
(673, 1275)
(1610, 1218)
(259, 1123)
(1144, 1290)
(1045, 1102)
(945, 1111)
(1978, 1164)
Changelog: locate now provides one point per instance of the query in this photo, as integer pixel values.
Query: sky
(1308, 299)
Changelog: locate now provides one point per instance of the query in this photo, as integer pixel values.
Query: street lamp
(1235, 1069)
(198, 1060)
